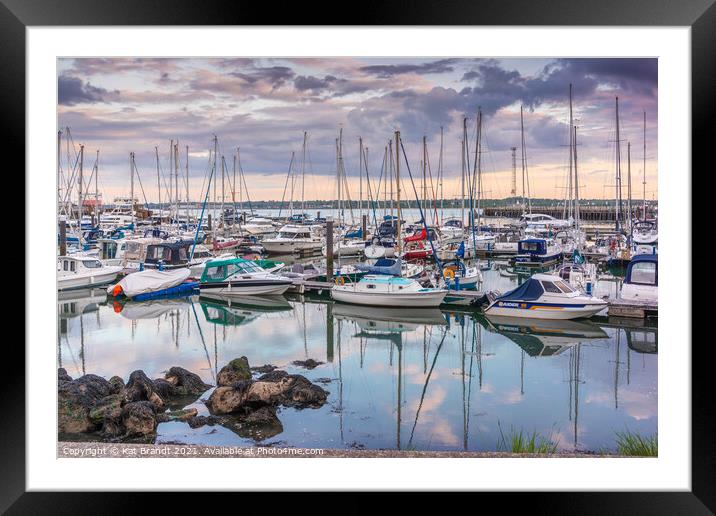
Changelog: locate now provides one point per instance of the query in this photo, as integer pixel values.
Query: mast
(96, 187)
(159, 185)
(233, 188)
(171, 188)
(618, 200)
(464, 167)
(131, 184)
(576, 180)
(643, 182)
(391, 170)
(79, 190)
(213, 172)
(176, 179)
(629, 185)
(440, 177)
(478, 165)
(59, 171)
(303, 174)
(397, 184)
(525, 176)
(462, 184)
(425, 169)
(570, 211)
(187, 186)
(241, 179)
(223, 191)
(513, 190)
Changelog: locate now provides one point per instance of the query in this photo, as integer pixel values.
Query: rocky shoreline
(112, 411)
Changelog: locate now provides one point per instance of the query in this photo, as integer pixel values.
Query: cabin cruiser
(239, 277)
(381, 290)
(258, 226)
(544, 296)
(83, 272)
(167, 255)
(452, 230)
(641, 283)
(293, 238)
(351, 247)
(458, 276)
(645, 237)
(135, 251)
(537, 251)
(540, 220)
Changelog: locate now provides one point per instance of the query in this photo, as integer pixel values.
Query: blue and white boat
(641, 283)
(537, 251)
(544, 296)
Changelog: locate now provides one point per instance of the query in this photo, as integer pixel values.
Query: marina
(419, 307)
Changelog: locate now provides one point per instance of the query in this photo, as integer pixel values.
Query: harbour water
(398, 379)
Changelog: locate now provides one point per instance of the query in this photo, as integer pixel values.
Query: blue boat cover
(460, 250)
(640, 258)
(530, 290)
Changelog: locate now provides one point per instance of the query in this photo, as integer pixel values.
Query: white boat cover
(150, 280)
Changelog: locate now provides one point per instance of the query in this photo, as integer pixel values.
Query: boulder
(139, 387)
(163, 388)
(235, 371)
(75, 399)
(109, 407)
(116, 384)
(308, 364)
(185, 382)
(139, 418)
(266, 368)
(228, 398)
(198, 421)
(62, 375)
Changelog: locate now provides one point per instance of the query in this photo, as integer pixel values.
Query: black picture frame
(700, 15)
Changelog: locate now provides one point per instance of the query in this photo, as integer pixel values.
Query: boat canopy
(643, 269)
(220, 270)
(530, 290)
(168, 253)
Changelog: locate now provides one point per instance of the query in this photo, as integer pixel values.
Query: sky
(260, 108)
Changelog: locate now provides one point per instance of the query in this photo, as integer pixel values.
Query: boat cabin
(536, 246)
(167, 255)
(643, 269)
(221, 270)
(71, 265)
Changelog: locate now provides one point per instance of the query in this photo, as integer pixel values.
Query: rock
(324, 380)
(228, 398)
(235, 371)
(116, 384)
(163, 388)
(308, 364)
(139, 418)
(75, 399)
(185, 382)
(139, 387)
(198, 421)
(266, 368)
(273, 376)
(62, 375)
(259, 424)
(109, 407)
(177, 415)
(302, 393)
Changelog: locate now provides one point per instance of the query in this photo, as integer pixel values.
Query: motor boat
(258, 226)
(293, 238)
(641, 283)
(537, 251)
(153, 283)
(83, 272)
(167, 255)
(645, 232)
(542, 221)
(452, 231)
(458, 276)
(380, 248)
(352, 247)
(544, 296)
(239, 277)
(382, 290)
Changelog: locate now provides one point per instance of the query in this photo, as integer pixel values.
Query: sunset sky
(263, 106)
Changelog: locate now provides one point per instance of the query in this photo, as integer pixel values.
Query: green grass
(519, 441)
(635, 445)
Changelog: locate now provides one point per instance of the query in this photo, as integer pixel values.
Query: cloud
(391, 70)
(72, 90)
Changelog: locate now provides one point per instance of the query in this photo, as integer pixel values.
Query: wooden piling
(63, 238)
(329, 250)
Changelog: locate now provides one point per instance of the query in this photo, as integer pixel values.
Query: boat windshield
(92, 264)
(548, 286)
(644, 273)
(564, 287)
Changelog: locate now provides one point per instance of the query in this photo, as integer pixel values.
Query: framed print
(366, 254)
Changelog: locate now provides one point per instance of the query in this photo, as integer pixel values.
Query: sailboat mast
(96, 187)
(425, 176)
(131, 184)
(59, 171)
(571, 155)
(391, 170)
(303, 174)
(397, 185)
(643, 182)
(159, 184)
(360, 177)
(478, 155)
(525, 177)
(79, 190)
(216, 151)
(176, 180)
(618, 200)
(462, 183)
(576, 179)
(629, 219)
(440, 176)
(187, 187)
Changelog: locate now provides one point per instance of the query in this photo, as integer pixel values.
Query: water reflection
(398, 378)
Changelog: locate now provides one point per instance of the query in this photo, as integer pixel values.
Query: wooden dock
(632, 309)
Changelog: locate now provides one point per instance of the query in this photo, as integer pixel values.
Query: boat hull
(83, 281)
(290, 247)
(410, 299)
(543, 310)
(245, 288)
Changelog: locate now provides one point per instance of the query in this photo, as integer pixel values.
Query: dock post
(63, 238)
(364, 226)
(329, 250)
(209, 221)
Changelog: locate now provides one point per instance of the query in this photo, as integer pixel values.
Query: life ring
(448, 273)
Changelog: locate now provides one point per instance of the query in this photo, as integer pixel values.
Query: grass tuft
(519, 441)
(635, 445)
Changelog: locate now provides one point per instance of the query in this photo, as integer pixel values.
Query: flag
(460, 250)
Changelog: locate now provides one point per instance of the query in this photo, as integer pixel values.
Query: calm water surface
(408, 379)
